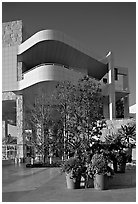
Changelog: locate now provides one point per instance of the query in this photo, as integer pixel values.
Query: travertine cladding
(19, 119)
(8, 96)
(19, 71)
(11, 33)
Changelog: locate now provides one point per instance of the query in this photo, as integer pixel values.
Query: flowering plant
(73, 166)
(99, 165)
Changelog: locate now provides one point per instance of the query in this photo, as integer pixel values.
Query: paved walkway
(48, 185)
(17, 180)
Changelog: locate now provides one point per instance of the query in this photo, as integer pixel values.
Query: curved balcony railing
(48, 72)
(54, 64)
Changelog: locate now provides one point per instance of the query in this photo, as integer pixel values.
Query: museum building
(42, 60)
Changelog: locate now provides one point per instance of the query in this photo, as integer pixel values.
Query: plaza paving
(21, 184)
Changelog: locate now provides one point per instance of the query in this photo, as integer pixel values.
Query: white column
(111, 86)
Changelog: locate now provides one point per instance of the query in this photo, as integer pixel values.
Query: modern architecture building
(40, 61)
(132, 111)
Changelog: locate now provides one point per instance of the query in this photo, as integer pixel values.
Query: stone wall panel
(11, 33)
(8, 96)
(19, 71)
(19, 119)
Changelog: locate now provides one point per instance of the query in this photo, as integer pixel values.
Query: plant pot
(121, 167)
(100, 182)
(70, 181)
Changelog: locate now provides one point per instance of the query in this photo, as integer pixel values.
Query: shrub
(73, 166)
(99, 164)
(121, 157)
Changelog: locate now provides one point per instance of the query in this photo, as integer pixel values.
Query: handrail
(61, 65)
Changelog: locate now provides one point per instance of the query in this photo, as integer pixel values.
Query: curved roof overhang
(50, 46)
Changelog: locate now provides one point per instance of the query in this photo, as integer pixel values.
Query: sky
(99, 26)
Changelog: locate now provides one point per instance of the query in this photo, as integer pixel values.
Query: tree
(39, 119)
(63, 98)
(69, 119)
(80, 107)
(56, 138)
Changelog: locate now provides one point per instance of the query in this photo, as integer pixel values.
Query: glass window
(116, 73)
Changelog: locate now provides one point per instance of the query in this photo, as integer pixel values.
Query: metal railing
(43, 64)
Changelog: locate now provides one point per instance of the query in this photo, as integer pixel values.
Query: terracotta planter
(72, 183)
(100, 182)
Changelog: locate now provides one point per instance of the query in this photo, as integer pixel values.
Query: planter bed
(126, 179)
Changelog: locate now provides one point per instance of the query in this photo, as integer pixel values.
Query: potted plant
(121, 159)
(128, 137)
(118, 155)
(73, 170)
(100, 170)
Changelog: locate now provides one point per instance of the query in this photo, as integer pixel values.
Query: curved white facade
(50, 46)
(47, 46)
(44, 73)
